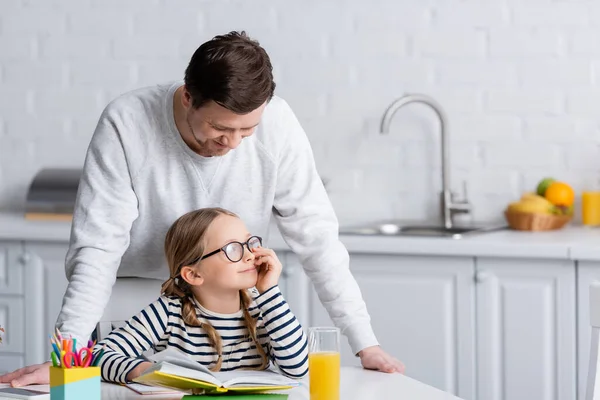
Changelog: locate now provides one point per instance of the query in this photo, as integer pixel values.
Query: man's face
(217, 130)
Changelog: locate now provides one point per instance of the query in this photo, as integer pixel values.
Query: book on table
(141, 388)
(173, 369)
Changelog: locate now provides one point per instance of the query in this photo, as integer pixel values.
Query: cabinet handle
(25, 258)
(482, 276)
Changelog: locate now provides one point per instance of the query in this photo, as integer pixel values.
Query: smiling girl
(221, 305)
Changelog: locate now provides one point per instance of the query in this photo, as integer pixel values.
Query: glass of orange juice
(590, 208)
(324, 363)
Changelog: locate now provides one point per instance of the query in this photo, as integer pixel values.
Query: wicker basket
(535, 222)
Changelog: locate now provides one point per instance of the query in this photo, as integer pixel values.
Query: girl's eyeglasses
(234, 251)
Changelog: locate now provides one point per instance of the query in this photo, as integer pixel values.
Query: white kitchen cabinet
(294, 286)
(587, 272)
(421, 310)
(12, 349)
(44, 299)
(10, 362)
(525, 329)
(11, 273)
(11, 319)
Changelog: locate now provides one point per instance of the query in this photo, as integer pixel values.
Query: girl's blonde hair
(185, 242)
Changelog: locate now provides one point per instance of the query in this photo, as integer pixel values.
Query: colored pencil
(97, 358)
(54, 360)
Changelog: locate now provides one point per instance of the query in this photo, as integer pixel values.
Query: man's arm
(105, 209)
(104, 212)
(309, 226)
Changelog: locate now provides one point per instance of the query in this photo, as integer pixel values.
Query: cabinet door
(282, 255)
(50, 281)
(421, 311)
(587, 272)
(10, 362)
(12, 271)
(294, 286)
(525, 329)
(11, 319)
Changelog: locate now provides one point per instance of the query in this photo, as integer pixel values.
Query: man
(162, 151)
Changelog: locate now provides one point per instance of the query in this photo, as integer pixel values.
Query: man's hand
(33, 375)
(375, 358)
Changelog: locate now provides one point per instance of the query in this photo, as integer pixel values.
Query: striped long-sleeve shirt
(160, 325)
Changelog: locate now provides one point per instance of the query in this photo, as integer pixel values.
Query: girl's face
(218, 271)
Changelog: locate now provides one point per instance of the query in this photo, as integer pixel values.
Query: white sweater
(140, 176)
(160, 326)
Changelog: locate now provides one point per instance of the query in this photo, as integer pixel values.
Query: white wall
(518, 78)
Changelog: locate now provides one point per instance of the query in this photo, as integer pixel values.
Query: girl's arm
(288, 347)
(121, 361)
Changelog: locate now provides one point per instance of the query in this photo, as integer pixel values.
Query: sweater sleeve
(287, 344)
(124, 346)
(105, 209)
(308, 224)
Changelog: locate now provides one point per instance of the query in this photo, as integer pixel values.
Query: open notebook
(173, 369)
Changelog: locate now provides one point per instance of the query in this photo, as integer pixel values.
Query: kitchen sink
(427, 230)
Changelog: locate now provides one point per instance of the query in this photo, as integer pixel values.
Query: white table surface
(356, 384)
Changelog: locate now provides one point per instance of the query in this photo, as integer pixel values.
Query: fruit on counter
(549, 208)
(530, 196)
(529, 207)
(543, 185)
(533, 203)
(560, 194)
(563, 210)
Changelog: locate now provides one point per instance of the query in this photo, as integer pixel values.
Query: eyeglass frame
(222, 249)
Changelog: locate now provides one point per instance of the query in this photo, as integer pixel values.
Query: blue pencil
(56, 350)
(55, 346)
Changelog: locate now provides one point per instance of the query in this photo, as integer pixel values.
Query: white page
(183, 372)
(176, 357)
(142, 388)
(253, 378)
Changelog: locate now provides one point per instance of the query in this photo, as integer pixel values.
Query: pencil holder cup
(75, 383)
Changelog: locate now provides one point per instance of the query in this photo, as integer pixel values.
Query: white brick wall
(520, 81)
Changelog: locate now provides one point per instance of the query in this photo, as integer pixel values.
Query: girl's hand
(268, 267)
(137, 371)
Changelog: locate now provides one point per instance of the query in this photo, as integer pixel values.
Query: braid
(190, 318)
(171, 289)
(188, 311)
(251, 326)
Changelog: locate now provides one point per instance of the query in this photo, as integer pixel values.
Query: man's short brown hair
(232, 70)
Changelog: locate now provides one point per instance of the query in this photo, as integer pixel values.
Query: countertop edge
(573, 243)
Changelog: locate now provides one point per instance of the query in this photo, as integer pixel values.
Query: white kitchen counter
(573, 242)
(14, 226)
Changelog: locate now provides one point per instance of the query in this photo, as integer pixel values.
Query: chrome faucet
(449, 204)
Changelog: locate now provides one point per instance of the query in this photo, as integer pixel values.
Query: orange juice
(324, 372)
(590, 208)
